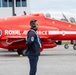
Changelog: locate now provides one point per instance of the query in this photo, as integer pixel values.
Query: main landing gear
(21, 52)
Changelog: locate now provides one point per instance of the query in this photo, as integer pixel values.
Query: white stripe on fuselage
(61, 32)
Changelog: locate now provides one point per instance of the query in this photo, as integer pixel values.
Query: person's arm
(30, 38)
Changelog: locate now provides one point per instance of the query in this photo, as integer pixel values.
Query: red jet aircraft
(13, 31)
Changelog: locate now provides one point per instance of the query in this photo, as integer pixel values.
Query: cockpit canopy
(68, 17)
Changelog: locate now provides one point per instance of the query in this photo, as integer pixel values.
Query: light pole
(13, 7)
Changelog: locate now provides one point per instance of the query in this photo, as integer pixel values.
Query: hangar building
(19, 7)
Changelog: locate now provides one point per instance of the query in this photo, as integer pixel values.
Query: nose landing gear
(66, 46)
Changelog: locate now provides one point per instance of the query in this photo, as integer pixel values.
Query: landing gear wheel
(66, 46)
(74, 47)
(21, 52)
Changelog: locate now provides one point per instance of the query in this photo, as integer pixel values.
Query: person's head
(34, 24)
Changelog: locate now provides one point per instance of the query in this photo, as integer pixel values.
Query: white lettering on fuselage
(42, 32)
(12, 32)
(24, 32)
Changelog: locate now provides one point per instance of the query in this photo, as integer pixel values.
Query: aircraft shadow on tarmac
(4, 53)
(42, 55)
(9, 55)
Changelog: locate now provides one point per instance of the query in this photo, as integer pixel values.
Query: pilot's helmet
(32, 23)
(48, 15)
(72, 19)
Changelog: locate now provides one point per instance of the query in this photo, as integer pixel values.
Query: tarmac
(53, 61)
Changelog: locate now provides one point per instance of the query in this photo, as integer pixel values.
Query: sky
(53, 5)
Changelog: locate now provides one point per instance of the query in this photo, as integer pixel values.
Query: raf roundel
(0, 32)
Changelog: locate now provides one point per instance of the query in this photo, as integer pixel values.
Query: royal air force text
(18, 32)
